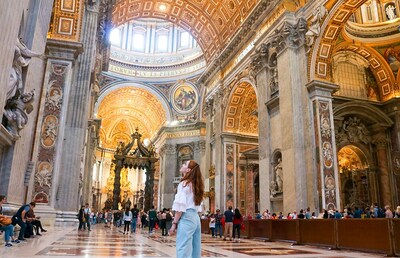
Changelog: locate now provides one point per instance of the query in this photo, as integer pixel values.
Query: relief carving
(54, 97)
(354, 131)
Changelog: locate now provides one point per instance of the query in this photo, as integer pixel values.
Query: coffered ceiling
(211, 22)
(125, 109)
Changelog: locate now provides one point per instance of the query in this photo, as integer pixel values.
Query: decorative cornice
(262, 9)
(63, 50)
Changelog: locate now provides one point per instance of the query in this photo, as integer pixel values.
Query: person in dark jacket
(81, 218)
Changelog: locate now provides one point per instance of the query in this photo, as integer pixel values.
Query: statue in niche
(17, 110)
(279, 176)
(314, 30)
(273, 82)
(390, 12)
(22, 58)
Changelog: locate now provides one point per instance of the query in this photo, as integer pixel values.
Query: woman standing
(237, 223)
(186, 206)
(127, 220)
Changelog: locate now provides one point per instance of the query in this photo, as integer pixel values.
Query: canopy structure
(139, 157)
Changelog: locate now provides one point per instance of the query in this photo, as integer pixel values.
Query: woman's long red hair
(195, 178)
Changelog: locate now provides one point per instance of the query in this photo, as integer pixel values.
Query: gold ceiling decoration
(240, 113)
(66, 20)
(330, 33)
(211, 23)
(125, 109)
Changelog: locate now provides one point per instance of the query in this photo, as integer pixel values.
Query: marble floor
(110, 242)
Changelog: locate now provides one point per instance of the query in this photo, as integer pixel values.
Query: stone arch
(125, 107)
(366, 111)
(150, 88)
(241, 109)
(321, 57)
(380, 68)
(356, 187)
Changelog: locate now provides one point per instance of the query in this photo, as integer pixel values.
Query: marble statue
(273, 83)
(279, 176)
(314, 30)
(22, 58)
(390, 12)
(273, 189)
(17, 110)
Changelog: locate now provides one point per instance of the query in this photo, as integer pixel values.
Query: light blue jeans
(134, 221)
(188, 236)
(8, 232)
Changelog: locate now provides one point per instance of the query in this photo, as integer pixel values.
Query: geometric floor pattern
(110, 242)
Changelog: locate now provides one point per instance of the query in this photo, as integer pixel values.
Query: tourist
(5, 225)
(397, 213)
(211, 224)
(135, 215)
(218, 223)
(86, 214)
(228, 216)
(127, 220)
(20, 219)
(186, 205)
(237, 223)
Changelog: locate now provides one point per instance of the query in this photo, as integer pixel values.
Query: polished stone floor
(110, 242)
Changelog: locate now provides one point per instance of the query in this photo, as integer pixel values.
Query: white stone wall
(33, 31)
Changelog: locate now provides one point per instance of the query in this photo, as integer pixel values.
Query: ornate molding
(288, 36)
(170, 149)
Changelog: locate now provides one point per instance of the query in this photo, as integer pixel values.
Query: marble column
(250, 193)
(199, 154)
(259, 65)
(381, 142)
(218, 150)
(61, 63)
(326, 179)
(90, 160)
(75, 121)
(293, 112)
(169, 172)
(117, 184)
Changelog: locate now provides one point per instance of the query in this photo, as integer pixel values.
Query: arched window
(162, 40)
(184, 39)
(349, 72)
(115, 37)
(138, 39)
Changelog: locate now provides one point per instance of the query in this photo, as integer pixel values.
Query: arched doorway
(354, 177)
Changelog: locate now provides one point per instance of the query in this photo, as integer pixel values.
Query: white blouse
(184, 199)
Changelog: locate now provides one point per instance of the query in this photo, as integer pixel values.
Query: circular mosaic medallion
(184, 98)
